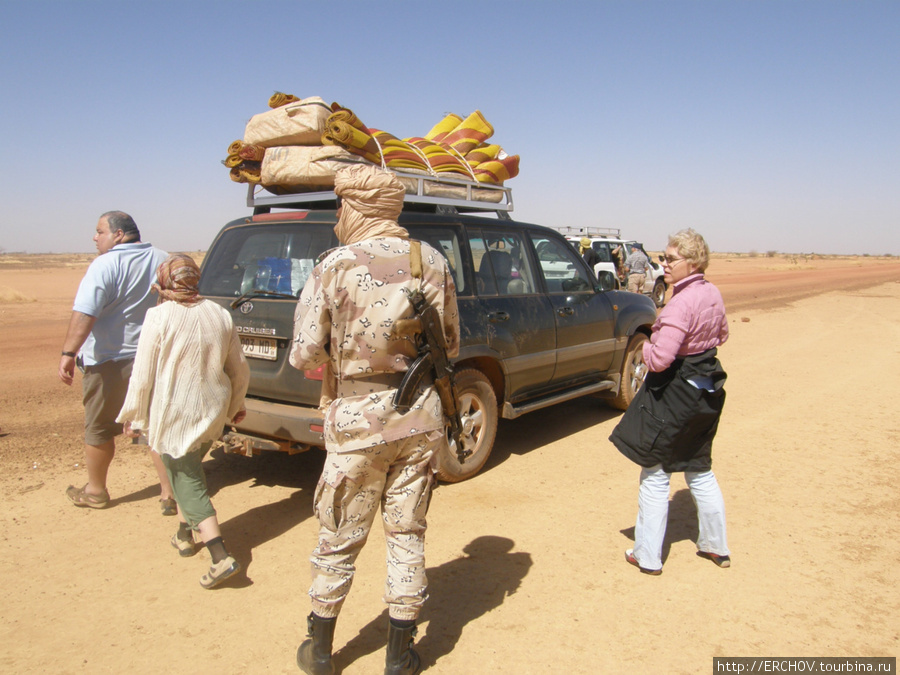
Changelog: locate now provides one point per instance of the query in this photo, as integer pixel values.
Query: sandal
(81, 498)
(168, 506)
(219, 572)
(629, 557)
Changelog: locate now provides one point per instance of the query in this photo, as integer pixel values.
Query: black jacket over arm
(670, 421)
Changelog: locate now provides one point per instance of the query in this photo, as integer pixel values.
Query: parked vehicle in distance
(604, 241)
(537, 326)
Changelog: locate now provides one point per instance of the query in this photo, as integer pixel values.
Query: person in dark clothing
(591, 257)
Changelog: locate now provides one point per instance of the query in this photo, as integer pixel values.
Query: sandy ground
(525, 560)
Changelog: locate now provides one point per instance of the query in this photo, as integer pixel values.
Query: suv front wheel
(478, 413)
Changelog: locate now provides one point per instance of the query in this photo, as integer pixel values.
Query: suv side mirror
(607, 281)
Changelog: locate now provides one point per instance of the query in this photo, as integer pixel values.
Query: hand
(67, 370)
(128, 431)
(239, 416)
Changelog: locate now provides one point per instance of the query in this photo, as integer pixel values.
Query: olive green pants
(189, 485)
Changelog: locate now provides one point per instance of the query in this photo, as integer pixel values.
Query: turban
(371, 201)
(177, 277)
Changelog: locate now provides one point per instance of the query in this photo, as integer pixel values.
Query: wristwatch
(72, 354)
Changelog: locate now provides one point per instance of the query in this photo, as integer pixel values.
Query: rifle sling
(415, 259)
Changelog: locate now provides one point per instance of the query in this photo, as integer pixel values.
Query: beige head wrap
(177, 278)
(371, 200)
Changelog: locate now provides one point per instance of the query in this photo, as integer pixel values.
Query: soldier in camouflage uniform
(376, 455)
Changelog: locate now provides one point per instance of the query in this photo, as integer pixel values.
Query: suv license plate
(259, 348)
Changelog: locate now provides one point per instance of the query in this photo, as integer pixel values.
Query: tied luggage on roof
(300, 143)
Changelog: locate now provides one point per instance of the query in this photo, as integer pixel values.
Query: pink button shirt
(692, 322)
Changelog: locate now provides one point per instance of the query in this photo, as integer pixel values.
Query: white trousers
(653, 513)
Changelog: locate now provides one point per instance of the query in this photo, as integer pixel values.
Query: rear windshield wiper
(257, 292)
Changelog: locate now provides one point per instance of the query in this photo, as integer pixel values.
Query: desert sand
(525, 561)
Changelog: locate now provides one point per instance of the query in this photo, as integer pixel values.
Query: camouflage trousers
(398, 476)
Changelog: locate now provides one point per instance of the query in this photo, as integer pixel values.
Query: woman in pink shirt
(671, 424)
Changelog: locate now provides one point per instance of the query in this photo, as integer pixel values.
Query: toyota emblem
(246, 307)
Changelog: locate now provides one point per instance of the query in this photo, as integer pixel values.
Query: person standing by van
(671, 423)
(636, 265)
(107, 316)
(377, 455)
(189, 380)
(591, 257)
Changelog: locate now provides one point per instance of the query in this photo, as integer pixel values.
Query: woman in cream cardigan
(189, 380)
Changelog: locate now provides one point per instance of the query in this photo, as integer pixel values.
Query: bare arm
(80, 326)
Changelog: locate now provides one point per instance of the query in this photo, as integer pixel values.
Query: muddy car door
(520, 326)
(585, 331)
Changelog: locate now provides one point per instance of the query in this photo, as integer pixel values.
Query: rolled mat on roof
(468, 134)
(279, 99)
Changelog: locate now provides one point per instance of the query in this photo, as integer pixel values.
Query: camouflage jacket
(344, 318)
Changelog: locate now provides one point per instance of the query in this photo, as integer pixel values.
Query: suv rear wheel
(478, 413)
(633, 372)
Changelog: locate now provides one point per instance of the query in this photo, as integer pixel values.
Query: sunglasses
(671, 262)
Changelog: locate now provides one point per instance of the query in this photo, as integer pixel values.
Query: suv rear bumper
(277, 426)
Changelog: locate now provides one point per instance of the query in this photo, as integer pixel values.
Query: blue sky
(766, 126)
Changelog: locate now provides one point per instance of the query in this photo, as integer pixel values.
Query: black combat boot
(314, 655)
(401, 657)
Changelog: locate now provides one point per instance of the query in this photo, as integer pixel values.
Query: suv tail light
(317, 374)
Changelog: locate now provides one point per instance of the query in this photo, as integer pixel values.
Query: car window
(559, 265)
(446, 241)
(602, 249)
(481, 263)
(503, 265)
(276, 258)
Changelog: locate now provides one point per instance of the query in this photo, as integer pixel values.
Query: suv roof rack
(592, 231)
(438, 194)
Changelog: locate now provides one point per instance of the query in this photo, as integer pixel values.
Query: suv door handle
(494, 317)
(566, 311)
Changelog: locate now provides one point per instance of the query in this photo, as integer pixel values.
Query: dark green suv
(537, 327)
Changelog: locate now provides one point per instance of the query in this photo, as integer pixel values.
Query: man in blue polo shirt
(107, 315)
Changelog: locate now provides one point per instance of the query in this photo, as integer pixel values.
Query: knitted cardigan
(189, 377)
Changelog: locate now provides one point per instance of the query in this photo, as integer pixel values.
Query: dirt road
(525, 560)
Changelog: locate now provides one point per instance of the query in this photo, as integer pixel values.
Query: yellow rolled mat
(279, 99)
(444, 127)
(469, 133)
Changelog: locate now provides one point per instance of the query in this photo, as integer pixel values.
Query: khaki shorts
(636, 282)
(103, 393)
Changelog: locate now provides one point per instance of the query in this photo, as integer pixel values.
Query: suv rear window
(276, 258)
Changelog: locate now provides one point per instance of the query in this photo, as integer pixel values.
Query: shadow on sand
(459, 592)
(245, 531)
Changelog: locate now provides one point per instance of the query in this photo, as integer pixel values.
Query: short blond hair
(692, 247)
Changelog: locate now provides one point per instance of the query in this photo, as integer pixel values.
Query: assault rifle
(426, 328)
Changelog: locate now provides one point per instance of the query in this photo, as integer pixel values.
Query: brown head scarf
(178, 276)
(371, 201)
